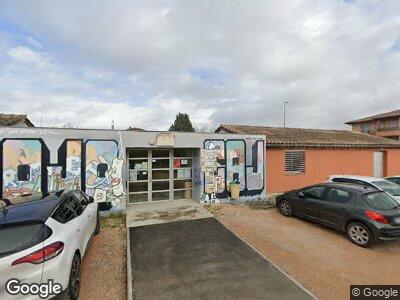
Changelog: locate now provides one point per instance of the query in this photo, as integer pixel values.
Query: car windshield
(388, 186)
(380, 200)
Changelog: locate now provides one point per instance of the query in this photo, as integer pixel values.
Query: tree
(205, 127)
(182, 123)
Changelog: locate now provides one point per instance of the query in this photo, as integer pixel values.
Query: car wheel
(359, 234)
(97, 229)
(285, 208)
(74, 284)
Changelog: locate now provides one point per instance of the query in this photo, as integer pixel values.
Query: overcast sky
(221, 61)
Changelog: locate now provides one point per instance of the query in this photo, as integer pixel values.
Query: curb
(129, 292)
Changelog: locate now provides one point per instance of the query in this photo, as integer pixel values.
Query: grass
(113, 220)
(261, 204)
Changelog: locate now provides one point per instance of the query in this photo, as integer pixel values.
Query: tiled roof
(300, 137)
(10, 119)
(135, 129)
(394, 113)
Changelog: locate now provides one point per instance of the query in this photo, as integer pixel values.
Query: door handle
(77, 232)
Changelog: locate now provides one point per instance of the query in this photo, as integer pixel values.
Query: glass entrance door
(159, 174)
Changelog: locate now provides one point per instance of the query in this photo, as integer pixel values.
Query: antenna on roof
(112, 124)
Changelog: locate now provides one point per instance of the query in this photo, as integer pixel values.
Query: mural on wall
(73, 160)
(22, 169)
(241, 160)
(255, 173)
(104, 171)
(236, 162)
(23, 156)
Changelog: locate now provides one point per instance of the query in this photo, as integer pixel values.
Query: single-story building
(296, 157)
(130, 166)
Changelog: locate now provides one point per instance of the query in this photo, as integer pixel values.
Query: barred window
(295, 162)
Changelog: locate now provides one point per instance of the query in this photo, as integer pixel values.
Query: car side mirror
(301, 195)
(91, 199)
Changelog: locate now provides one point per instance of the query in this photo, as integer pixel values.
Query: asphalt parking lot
(321, 259)
(202, 259)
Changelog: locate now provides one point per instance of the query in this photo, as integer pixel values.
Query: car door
(307, 202)
(85, 216)
(336, 207)
(77, 222)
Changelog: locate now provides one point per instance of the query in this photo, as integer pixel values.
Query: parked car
(46, 240)
(395, 179)
(365, 213)
(382, 184)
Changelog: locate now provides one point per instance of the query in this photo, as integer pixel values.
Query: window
(101, 170)
(20, 237)
(380, 200)
(295, 162)
(315, 192)
(339, 196)
(389, 187)
(366, 127)
(81, 198)
(24, 172)
(68, 210)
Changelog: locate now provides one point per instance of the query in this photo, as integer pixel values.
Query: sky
(139, 63)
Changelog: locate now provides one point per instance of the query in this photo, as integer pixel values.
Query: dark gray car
(366, 214)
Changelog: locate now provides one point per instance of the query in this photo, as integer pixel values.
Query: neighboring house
(135, 129)
(384, 125)
(11, 120)
(297, 157)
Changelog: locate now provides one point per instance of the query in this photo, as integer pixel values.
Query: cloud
(236, 61)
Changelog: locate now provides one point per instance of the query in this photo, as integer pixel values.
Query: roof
(11, 119)
(135, 129)
(390, 114)
(33, 211)
(353, 186)
(368, 179)
(301, 137)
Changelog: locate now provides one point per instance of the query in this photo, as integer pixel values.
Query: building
(12, 120)
(120, 168)
(385, 125)
(297, 157)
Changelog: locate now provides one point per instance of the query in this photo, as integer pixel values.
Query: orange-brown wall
(320, 163)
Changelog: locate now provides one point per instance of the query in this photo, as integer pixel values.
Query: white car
(395, 179)
(42, 242)
(387, 186)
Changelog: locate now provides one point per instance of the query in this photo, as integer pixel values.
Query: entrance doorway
(378, 164)
(159, 174)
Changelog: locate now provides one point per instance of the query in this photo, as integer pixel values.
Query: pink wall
(320, 163)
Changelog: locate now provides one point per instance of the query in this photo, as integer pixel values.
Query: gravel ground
(104, 265)
(321, 259)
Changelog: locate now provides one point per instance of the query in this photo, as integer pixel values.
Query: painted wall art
(104, 171)
(241, 160)
(25, 156)
(102, 175)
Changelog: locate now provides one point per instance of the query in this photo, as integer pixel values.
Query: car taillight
(41, 255)
(376, 217)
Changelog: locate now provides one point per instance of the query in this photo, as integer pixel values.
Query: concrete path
(164, 212)
(201, 259)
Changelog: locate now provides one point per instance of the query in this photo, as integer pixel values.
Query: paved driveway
(202, 259)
